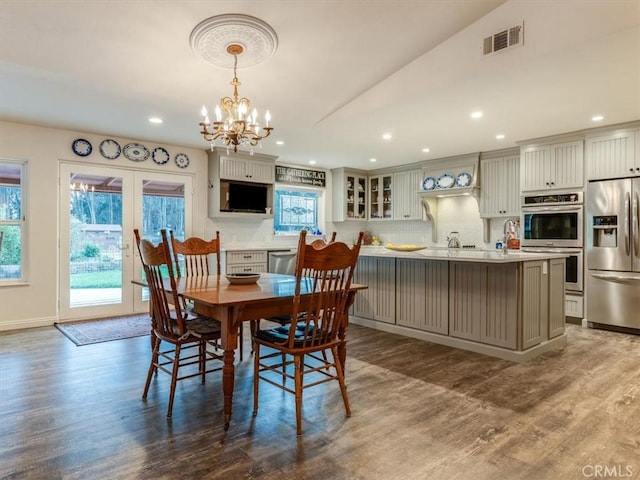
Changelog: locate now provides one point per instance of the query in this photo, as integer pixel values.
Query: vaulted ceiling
(344, 73)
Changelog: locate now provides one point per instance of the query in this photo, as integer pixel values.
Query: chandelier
(240, 126)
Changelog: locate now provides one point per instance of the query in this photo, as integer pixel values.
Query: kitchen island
(507, 305)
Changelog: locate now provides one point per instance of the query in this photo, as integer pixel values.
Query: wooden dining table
(271, 296)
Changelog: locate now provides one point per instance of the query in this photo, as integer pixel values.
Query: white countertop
(459, 254)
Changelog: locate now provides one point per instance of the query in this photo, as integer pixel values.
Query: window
(12, 221)
(297, 209)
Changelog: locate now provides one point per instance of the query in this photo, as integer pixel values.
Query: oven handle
(530, 209)
(568, 250)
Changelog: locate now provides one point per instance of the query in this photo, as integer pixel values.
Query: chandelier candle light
(239, 128)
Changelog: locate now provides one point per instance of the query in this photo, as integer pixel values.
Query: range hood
(448, 177)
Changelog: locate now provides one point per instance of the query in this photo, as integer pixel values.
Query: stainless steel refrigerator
(613, 253)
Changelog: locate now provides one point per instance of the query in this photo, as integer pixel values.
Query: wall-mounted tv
(246, 197)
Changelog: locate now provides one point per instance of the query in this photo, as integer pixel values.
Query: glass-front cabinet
(350, 200)
(380, 197)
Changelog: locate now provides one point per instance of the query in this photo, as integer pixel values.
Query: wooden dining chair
(187, 334)
(195, 253)
(325, 271)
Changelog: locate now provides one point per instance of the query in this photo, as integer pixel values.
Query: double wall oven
(553, 222)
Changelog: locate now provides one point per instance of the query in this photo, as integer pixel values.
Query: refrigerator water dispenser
(605, 231)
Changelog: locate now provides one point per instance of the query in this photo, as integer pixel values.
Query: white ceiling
(345, 72)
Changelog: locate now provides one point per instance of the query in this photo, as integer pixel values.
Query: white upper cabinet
(613, 155)
(500, 189)
(247, 170)
(554, 166)
(381, 197)
(349, 195)
(407, 204)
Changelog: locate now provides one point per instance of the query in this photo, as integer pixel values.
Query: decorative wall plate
(160, 155)
(182, 160)
(110, 149)
(81, 147)
(429, 183)
(136, 152)
(446, 180)
(463, 179)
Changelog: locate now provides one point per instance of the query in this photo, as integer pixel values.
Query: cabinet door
(377, 302)
(407, 204)
(611, 156)
(567, 165)
(500, 192)
(501, 321)
(246, 170)
(556, 296)
(232, 168)
(422, 296)
(535, 303)
(467, 299)
(535, 168)
(375, 198)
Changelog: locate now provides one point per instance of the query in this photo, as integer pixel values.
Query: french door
(99, 208)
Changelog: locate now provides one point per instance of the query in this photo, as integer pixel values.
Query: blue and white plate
(110, 149)
(136, 152)
(160, 155)
(81, 147)
(446, 180)
(429, 183)
(463, 179)
(182, 160)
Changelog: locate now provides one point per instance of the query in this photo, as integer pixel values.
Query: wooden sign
(300, 176)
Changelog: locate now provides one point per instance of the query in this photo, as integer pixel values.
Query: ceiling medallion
(211, 38)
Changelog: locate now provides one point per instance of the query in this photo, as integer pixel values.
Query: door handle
(627, 223)
(636, 224)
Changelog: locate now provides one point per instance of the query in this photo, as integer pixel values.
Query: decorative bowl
(242, 278)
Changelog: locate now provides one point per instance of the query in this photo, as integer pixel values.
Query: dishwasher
(282, 261)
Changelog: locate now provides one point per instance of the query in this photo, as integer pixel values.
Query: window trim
(22, 223)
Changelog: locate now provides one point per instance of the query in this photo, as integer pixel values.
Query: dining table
(270, 296)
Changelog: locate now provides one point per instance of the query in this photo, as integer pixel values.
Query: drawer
(247, 268)
(246, 256)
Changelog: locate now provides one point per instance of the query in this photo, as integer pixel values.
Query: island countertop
(459, 254)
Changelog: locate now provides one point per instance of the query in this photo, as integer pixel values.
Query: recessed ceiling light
(372, 160)
(387, 136)
(279, 142)
(476, 114)
(500, 136)
(155, 120)
(597, 118)
(426, 150)
(312, 162)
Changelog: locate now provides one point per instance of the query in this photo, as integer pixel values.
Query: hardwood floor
(420, 411)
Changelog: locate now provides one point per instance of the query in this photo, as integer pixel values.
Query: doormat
(88, 332)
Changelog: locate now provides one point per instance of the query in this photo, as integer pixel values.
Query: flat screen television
(246, 197)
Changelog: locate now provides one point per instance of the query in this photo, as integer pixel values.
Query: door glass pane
(95, 270)
(162, 207)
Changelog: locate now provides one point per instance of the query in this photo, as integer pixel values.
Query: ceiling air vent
(508, 38)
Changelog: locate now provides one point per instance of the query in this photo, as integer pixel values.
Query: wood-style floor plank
(419, 411)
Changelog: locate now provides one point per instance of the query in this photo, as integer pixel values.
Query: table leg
(229, 339)
(342, 333)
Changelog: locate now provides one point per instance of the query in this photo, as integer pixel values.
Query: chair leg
(298, 362)
(152, 366)
(174, 379)
(202, 359)
(343, 385)
(241, 340)
(256, 374)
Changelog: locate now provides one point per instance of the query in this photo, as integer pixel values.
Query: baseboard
(28, 323)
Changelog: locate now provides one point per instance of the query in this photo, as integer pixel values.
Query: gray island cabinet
(506, 305)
